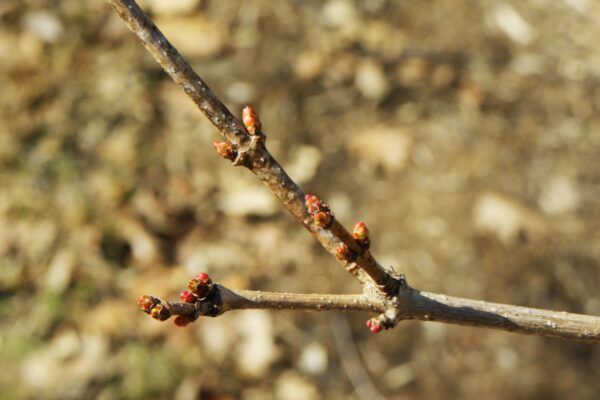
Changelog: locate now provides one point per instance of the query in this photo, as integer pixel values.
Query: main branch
(384, 291)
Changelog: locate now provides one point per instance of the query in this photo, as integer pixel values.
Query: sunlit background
(466, 134)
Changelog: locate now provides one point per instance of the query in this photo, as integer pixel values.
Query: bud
(361, 234)
(225, 150)
(160, 312)
(320, 211)
(317, 206)
(200, 288)
(251, 120)
(146, 303)
(342, 252)
(182, 321)
(309, 200)
(203, 277)
(360, 231)
(323, 219)
(188, 296)
(374, 325)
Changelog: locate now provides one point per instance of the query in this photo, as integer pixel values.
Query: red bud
(188, 296)
(203, 277)
(374, 325)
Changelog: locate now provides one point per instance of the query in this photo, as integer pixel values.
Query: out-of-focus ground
(466, 134)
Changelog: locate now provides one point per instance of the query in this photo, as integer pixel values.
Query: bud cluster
(154, 306)
(319, 210)
(199, 288)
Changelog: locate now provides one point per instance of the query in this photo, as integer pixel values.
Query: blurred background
(466, 134)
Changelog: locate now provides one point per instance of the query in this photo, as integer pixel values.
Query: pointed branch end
(201, 298)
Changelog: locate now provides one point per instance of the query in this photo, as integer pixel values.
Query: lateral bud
(361, 234)
(343, 253)
(225, 150)
(251, 121)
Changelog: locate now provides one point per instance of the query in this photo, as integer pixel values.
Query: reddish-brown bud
(251, 120)
(188, 296)
(342, 252)
(182, 320)
(323, 219)
(160, 312)
(225, 150)
(374, 325)
(146, 303)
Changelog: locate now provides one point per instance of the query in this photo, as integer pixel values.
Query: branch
(218, 299)
(384, 292)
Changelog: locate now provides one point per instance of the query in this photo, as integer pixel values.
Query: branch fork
(384, 291)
